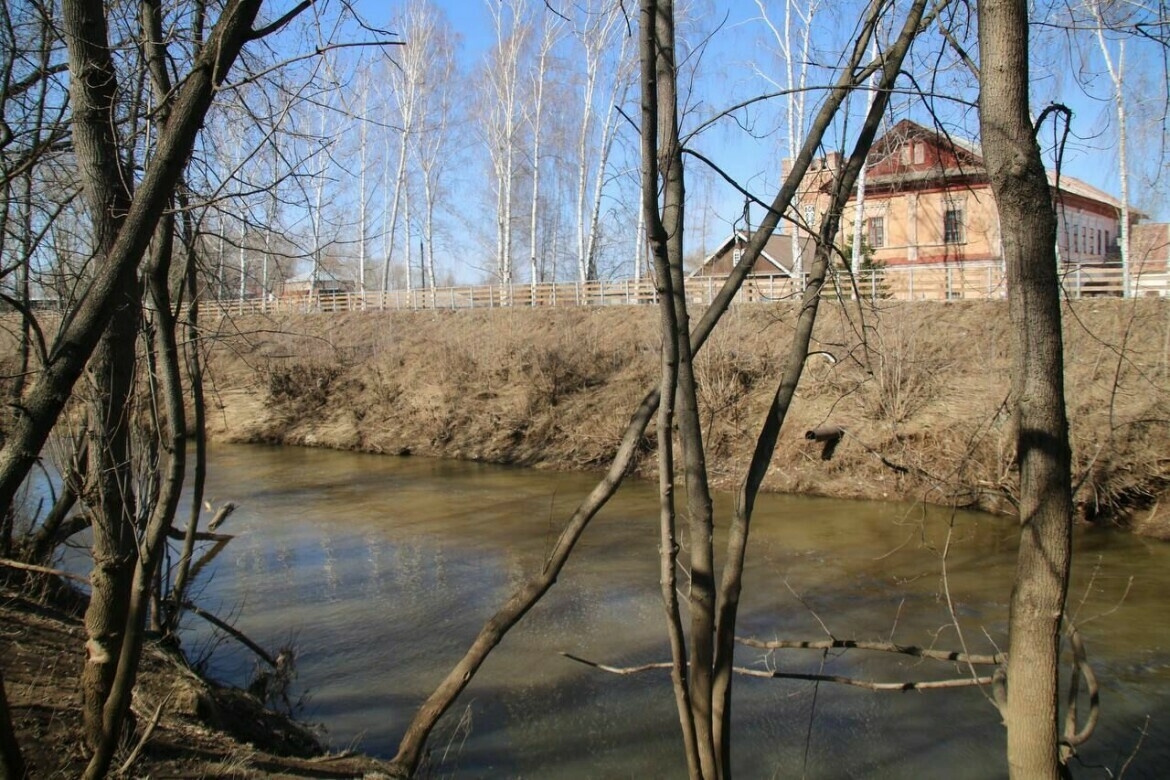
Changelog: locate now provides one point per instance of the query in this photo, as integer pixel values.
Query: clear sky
(733, 54)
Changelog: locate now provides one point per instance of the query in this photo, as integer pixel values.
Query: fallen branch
(200, 536)
(909, 685)
(882, 647)
(11, 564)
(234, 632)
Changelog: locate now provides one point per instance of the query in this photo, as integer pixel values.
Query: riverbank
(920, 388)
(204, 730)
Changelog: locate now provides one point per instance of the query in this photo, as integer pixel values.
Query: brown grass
(922, 389)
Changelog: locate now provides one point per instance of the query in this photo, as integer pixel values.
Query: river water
(380, 571)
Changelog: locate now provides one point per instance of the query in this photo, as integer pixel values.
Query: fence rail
(918, 283)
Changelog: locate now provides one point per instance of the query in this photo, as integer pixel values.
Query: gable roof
(954, 160)
(775, 258)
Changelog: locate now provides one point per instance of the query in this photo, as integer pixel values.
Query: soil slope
(202, 731)
(921, 389)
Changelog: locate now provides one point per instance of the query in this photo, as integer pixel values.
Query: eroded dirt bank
(202, 730)
(921, 388)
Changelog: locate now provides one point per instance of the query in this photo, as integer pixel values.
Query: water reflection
(381, 571)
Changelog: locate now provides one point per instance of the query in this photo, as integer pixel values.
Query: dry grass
(921, 388)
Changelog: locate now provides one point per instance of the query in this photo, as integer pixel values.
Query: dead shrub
(905, 367)
(303, 386)
(1128, 472)
(555, 372)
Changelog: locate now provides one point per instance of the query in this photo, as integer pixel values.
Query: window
(1099, 241)
(877, 232)
(919, 154)
(1076, 231)
(1106, 242)
(810, 215)
(953, 232)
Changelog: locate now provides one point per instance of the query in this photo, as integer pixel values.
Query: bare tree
(1028, 225)
(715, 623)
(602, 34)
(434, 139)
(1116, 69)
(793, 44)
(551, 30)
(129, 169)
(409, 81)
(501, 102)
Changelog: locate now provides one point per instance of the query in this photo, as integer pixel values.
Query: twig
(1137, 746)
(150, 727)
(812, 611)
(200, 536)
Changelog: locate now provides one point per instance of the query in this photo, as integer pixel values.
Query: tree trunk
(171, 430)
(112, 505)
(1028, 224)
(115, 268)
(663, 168)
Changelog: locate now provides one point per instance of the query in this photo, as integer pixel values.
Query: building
(774, 260)
(325, 283)
(927, 201)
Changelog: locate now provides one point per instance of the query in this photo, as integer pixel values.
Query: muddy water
(381, 570)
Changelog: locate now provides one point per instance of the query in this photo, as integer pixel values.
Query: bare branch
(908, 685)
(293, 13)
(881, 647)
(43, 570)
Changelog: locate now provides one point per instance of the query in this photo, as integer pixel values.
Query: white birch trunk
(364, 196)
(550, 33)
(794, 82)
(1116, 71)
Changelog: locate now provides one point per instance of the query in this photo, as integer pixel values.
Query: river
(380, 571)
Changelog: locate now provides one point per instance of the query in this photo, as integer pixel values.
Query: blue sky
(736, 49)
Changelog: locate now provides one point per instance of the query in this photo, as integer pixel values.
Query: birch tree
(792, 37)
(364, 194)
(407, 82)
(551, 30)
(433, 141)
(1115, 66)
(501, 106)
(602, 35)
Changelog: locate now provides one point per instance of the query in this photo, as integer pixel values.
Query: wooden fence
(918, 283)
